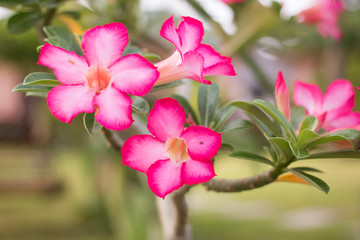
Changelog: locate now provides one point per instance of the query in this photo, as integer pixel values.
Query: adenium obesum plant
(325, 15)
(173, 155)
(191, 58)
(334, 109)
(232, 1)
(99, 81)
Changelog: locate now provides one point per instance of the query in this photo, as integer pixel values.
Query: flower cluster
(334, 109)
(101, 80)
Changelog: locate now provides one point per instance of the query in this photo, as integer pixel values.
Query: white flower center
(176, 150)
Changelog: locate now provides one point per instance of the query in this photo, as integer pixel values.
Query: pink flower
(173, 156)
(191, 58)
(232, 1)
(99, 81)
(325, 15)
(334, 109)
(282, 96)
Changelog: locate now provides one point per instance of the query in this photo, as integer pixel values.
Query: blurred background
(57, 182)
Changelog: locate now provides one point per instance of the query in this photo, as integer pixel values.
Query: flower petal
(345, 121)
(113, 109)
(194, 65)
(202, 143)
(134, 75)
(191, 32)
(309, 96)
(211, 56)
(164, 177)
(166, 119)
(104, 45)
(65, 102)
(141, 151)
(68, 67)
(222, 68)
(282, 96)
(168, 31)
(194, 172)
(339, 99)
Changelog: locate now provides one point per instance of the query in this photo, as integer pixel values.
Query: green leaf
(131, 50)
(309, 122)
(62, 38)
(41, 78)
(227, 146)
(350, 135)
(237, 125)
(306, 169)
(222, 116)
(91, 125)
(305, 137)
(167, 85)
(282, 145)
(23, 21)
(150, 56)
(31, 88)
(332, 155)
(140, 105)
(315, 181)
(263, 122)
(208, 96)
(251, 157)
(277, 116)
(36, 94)
(187, 107)
(297, 114)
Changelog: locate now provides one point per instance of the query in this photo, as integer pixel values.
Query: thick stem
(239, 185)
(174, 215)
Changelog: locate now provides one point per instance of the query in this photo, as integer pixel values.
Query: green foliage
(91, 125)
(140, 105)
(315, 181)
(62, 38)
(41, 78)
(187, 107)
(208, 97)
(251, 157)
(23, 21)
(237, 125)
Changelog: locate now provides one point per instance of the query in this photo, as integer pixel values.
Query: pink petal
(194, 65)
(222, 68)
(191, 32)
(134, 75)
(194, 172)
(339, 99)
(166, 119)
(65, 102)
(104, 45)
(68, 67)
(164, 177)
(168, 31)
(346, 121)
(202, 143)
(113, 109)
(141, 151)
(211, 56)
(282, 96)
(309, 96)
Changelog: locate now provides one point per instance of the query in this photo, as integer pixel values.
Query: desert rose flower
(101, 80)
(191, 58)
(334, 108)
(325, 15)
(173, 155)
(282, 96)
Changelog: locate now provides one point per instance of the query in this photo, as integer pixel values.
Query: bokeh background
(57, 182)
